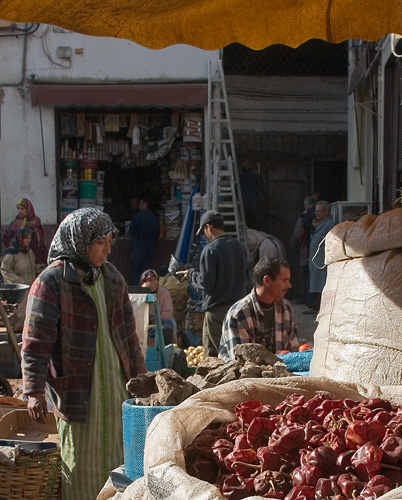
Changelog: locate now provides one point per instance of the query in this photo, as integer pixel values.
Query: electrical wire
(47, 53)
(398, 56)
(22, 31)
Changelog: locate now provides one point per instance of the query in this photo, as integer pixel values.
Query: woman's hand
(37, 407)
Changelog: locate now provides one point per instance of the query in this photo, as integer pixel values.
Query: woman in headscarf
(18, 266)
(26, 218)
(81, 346)
(18, 263)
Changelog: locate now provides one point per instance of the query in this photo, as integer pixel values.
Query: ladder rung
(220, 120)
(221, 141)
(218, 99)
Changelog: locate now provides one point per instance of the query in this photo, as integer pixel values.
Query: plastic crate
(136, 420)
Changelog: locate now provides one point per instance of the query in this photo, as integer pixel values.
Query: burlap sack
(358, 338)
(179, 293)
(367, 236)
(165, 477)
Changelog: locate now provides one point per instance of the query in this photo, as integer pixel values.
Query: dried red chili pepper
(221, 448)
(356, 434)
(275, 483)
(392, 448)
(394, 477)
(335, 419)
(326, 406)
(359, 413)
(247, 410)
(301, 492)
(313, 433)
(315, 401)
(324, 458)
(377, 403)
(360, 432)
(269, 460)
(234, 429)
(376, 487)
(203, 469)
(259, 430)
(299, 414)
(395, 421)
(292, 459)
(349, 403)
(336, 440)
(326, 488)
(290, 402)
(202, 445)
(379, 480)
(350, 485)
(267, 410)
(236, 489)
(382, 416)
(289, 439)
(367, 460)
(245, 457)
(241, 442)
(306, 475)
(376, 431)
(343, 460)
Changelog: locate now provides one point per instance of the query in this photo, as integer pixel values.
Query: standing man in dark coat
(145, 230)
(221, 277)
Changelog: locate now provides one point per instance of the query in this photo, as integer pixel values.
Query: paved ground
(306, 324)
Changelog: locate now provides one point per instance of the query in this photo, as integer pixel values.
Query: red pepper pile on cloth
(318, 449)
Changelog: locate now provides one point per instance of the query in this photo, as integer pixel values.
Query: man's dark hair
(267, 266)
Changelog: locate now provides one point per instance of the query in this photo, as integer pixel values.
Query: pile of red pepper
(318, 449)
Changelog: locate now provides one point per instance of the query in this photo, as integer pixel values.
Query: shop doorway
(329, 179)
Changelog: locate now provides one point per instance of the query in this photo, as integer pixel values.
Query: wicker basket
(36, 476)
(197, 321)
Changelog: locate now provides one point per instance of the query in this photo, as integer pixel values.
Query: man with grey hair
(300, 243)
(317, 270)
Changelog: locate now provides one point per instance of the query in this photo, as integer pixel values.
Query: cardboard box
(18, 426)
(4, 409)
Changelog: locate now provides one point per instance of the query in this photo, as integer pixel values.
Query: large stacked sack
(165, 476)
(360, 322)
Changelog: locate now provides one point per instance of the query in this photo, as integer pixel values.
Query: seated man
(150, 279)
(263, 316)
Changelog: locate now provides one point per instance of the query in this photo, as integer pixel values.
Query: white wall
(108, 60)
(23, 171)
(103, 60)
